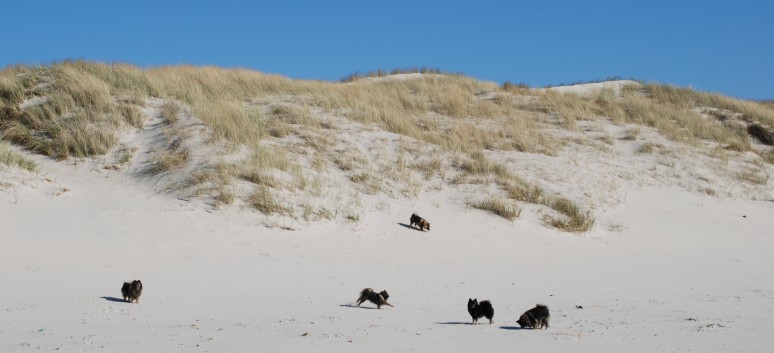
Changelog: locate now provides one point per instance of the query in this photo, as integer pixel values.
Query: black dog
(377, 298)
(420, 222)
(536, 317)
(131, 291)
(478, 310)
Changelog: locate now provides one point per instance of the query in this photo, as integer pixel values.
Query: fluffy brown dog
(131, 291)
(536, 317)
(377, 298)
(422, 223)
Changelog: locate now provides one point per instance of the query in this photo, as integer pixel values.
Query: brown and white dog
(377, 298)
(422, 223)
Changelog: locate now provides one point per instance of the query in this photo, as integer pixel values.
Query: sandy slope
(682, 272)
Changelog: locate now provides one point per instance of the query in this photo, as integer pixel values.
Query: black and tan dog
(377, 298)
(131, 291)
(422, 223)
(535, 318)
(478, 310)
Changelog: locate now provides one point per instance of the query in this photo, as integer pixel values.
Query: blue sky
(716, 46)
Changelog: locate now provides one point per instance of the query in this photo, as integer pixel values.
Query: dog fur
(478, 310)
(422, 223)
(535, 318)
(377, 298)
(131, 291)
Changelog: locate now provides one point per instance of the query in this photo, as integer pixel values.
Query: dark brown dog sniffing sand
(421, 223)
(535, 318)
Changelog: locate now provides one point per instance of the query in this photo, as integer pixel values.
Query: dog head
(384, 294)
(524, 321)
(424, 224)
(472, 304)
(137, 285)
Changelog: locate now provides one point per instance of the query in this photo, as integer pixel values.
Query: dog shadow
(511, 328)
(408, 226)
(454, 323)
(114, 299)
(357, 307)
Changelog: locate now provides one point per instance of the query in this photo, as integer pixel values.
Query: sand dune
(668, 267)
(589, 89)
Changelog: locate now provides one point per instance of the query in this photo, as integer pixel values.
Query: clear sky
(716, 46)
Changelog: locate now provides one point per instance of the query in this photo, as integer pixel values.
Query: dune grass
(574, 219)
(170, 112)
(498, 207)
(12, 158)
(167, 160)
(217, 95)
(754, 176)
(673, 112)
(264, 201)
(78, 118)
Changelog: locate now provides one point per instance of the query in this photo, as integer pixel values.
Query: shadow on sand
(409, 227)
(357, 307)
(114, 299)
(511, 328)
